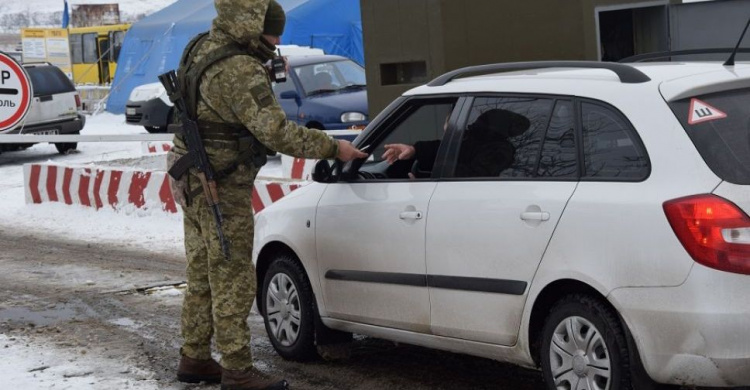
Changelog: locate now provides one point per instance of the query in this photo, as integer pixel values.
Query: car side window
(611, 148)
(503, 137)
(559, 157)
(421, 125)
(424, 124)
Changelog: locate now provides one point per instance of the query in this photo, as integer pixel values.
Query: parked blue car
(324, 92)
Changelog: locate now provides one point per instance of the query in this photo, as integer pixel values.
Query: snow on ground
(28, 365)
(155, 231)
(134, 228)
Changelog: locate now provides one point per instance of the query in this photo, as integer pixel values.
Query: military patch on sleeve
(262, 95)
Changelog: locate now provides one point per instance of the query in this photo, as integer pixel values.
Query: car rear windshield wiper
(320, 91)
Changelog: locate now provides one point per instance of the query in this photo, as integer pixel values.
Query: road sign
(15, 92)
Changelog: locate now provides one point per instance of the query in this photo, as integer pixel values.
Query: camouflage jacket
(237, 90)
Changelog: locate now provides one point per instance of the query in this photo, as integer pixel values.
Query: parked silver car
(55, 107)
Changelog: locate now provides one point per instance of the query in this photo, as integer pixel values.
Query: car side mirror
(323, 173)
(289, 95)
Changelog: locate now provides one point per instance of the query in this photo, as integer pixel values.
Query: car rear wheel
(289, 310)
(66, 147)
(584, 347)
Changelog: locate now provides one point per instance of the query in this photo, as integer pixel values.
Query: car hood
(344, 101)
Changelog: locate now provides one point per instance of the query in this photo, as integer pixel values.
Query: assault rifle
(196, 156)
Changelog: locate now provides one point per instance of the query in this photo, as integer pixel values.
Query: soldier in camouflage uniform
(235, 97)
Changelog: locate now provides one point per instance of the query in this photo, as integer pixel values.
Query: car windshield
(327, 77)
(719, 124)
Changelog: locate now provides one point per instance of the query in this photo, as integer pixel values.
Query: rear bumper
(152, 113)
(695, 334)
(67, 126)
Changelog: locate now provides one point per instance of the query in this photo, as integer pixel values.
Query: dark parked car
(322, 91)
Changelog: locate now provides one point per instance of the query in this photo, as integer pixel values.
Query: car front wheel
(584, 347)
(288, 309)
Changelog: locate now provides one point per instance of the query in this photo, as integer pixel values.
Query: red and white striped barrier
(266, 192)
(98, 187)
(296, 173)
(297, 168)
(153, 147)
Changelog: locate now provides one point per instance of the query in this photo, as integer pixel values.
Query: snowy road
(73, 317)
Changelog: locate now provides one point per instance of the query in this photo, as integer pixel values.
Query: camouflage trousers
(220, 292)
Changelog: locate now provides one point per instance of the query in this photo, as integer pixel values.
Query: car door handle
(535, 216)
(410, 215)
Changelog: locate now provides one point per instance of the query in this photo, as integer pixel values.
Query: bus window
(90, 55)
(116, 37)
(104, 66)
(76, 48)
(104, 48)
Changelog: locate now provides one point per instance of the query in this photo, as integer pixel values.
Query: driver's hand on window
(394, 152)
(347, 151)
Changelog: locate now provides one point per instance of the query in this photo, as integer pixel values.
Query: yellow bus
(94, 52)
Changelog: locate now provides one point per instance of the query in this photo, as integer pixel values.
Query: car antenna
(730, 60)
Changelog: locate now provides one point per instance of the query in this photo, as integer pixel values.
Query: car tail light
(78, 102)
(713, 230)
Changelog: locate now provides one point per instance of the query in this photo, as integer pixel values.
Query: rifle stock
(197, 154)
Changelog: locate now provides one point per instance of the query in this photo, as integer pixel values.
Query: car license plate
(47, 132)
(130, 111)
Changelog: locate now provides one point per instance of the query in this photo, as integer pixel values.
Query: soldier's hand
(395, 152)
(347, 151)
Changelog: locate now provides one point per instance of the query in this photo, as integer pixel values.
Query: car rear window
(49, 80)
(719, 126)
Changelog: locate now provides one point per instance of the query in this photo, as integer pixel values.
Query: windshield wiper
(320, 91)
(355, 86)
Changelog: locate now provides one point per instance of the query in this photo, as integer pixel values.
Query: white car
(149, 106)
(55, 108)
(587, 218)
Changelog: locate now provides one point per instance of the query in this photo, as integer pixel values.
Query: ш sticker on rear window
(701, 111)
(719, 126)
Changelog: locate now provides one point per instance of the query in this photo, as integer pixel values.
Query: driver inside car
(485, 148)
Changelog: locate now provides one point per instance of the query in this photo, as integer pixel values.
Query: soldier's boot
(194, 371)
(251, 379)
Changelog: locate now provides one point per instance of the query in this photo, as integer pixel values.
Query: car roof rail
(687, 52)
(626, 73)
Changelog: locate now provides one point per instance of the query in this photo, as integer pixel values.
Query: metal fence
(93, 97)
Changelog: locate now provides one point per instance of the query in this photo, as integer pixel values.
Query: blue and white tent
(154, 44)
(332, 25)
